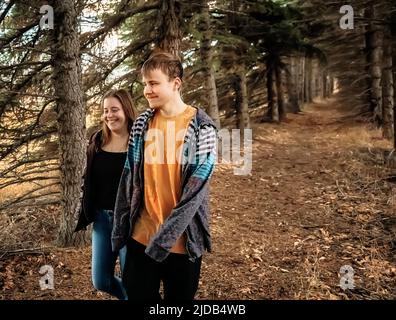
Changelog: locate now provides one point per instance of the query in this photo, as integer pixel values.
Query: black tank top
(106, 173)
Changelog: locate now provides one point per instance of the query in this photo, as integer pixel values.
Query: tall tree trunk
(319, 78)
(307, 78)
(375, 37)
(387, 89)
(241, 101)
(313, 78)
(169, 38)
(210, 91)
(326, 83)
(394, 95)
(292, 85)
(272, 113)
(323, 82)
(301, 80)
(394, 86)
(70, 117)
(280, 91)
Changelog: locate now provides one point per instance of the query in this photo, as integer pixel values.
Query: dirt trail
(285, 231)
(316, 200)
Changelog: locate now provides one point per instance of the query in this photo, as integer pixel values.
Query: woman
(106, 155)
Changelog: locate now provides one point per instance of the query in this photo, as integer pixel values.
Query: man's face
(158, 89)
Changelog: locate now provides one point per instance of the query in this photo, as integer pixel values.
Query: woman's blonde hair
(128, 107)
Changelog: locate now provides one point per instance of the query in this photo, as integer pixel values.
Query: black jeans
(142, 275)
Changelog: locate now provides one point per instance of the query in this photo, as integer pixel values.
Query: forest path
(316, 200)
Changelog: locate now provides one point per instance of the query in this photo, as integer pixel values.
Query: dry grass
(12, 192)
(28, 228)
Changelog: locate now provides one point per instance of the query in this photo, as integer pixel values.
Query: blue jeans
(103, 258)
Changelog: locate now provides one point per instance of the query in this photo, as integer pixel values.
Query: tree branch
(10, 148)
(6, 10)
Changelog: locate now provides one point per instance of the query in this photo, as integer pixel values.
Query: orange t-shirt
(162, 174)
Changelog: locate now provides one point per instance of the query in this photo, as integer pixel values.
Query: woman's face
(114, 115)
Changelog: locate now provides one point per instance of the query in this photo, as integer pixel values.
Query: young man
(162, 207)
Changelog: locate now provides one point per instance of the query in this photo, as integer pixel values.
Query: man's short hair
(166, 62)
